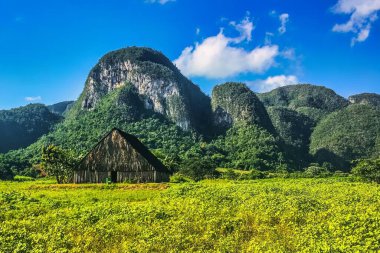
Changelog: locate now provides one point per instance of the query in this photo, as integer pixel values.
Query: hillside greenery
(346, 135)
(313, 101)
(61, 108)
(277, 215)
(22, 126)
(240, 104)
(247, 146)
(304, 95)
(138, 55)
(295, 130)
(366, 98)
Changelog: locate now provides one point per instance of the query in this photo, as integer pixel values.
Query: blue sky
(47, 48)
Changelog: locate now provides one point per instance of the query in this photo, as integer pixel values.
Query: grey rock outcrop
(160, 84)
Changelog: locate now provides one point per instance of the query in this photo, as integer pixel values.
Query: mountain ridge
(141, 92)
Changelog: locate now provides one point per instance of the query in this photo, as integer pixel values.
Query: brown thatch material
(122, 158)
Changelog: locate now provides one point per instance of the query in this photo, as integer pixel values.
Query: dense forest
(141, 92)
(22, 126)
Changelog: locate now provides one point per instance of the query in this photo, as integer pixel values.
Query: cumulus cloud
(220, 56)
(159, 1)
(363, 13)
(284, 19)
(273, 82)
(33, 99)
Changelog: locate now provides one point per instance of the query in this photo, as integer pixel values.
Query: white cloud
(197, 31)
(273, 82)
(284, 19)
(220, 56)
(245, 28)
(363, 13)
(33, 99)
(159, 1)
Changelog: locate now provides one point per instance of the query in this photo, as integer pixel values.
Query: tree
(5, 173)
(58, 162)
(198, 169)
(314, 170)
(368, 169)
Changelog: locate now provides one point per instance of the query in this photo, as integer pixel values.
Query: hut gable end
(123, 155)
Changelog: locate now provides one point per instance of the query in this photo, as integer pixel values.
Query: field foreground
(278, 215)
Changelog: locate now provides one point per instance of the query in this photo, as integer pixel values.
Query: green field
(274, 215)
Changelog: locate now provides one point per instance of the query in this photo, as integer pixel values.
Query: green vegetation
(249, 147)
(198, 169)
(137, 55)
(239, 104)
(366, 98)
(81, 130)
(305, 95)
(22, 126)
(294, 129)
(61, 108)
(276, 215)
(288, 129)
(368, 169)
(59, 163)
(346, 135)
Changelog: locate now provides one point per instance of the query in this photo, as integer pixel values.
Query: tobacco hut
(121, 157)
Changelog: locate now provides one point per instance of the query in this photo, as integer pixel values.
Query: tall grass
(273, 215)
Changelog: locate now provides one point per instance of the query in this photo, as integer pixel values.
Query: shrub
(179, 178)
(256, 174)
(368, 169)
(230, 174)
(316, 171)
(5, 173)
(340, 173)
(19, 178)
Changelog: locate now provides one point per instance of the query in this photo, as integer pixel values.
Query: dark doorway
(113, 176)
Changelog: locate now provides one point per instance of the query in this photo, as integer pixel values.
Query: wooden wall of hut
(87, 176)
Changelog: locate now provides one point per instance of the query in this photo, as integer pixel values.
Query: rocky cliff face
(235, 102)
(158, 82)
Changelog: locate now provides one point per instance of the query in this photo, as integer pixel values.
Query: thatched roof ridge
(138, 146)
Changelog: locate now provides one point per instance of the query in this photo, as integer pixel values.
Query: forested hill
(61, 108)
(22, 126)
(311, 100)
(141, 92)
(366, 99)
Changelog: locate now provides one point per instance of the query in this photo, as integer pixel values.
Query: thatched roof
(137, 145)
